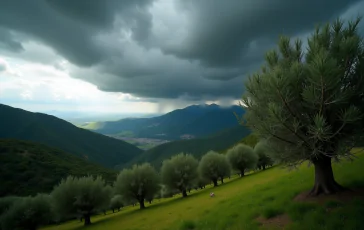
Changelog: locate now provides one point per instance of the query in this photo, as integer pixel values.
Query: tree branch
(279, 138)
(289, 109)
(322, 95)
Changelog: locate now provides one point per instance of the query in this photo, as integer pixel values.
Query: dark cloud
(221, 31)
(8, 42)
(195, 49)
(69, 27)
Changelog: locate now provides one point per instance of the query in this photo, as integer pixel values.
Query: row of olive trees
(85, 196)
(72, 198)
(183, 172)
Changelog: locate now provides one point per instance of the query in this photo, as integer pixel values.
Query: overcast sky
(144, 56)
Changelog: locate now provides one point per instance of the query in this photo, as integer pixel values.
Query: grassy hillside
(52, 131)
(27, 168)
(262, 200)
(196, 147)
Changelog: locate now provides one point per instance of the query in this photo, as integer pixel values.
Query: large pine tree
(310, 105)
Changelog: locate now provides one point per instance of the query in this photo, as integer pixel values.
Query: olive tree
(116, 202)
(28, 213)
(309, 105)
(138, 183)
(180, 172)
(214, 166)
(262, 151)
(83, 196)
(242, 157)
(201, 182)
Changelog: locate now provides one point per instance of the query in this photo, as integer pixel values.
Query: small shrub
(188, 225)
(271, 212)
(333, 204)
(268, 199)
(298, 210)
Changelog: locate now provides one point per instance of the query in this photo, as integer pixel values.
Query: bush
(188, 225)
(28, 213)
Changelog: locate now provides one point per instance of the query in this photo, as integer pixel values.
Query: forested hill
(28, 168)
(197, 147)
(52, 131)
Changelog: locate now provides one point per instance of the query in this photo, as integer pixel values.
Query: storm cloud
(194, 49)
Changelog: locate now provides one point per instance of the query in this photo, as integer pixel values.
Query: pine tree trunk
(113, 210)
(222, 180)
(215, 182)
(263, 167)
(184, 193)
(324, 178)
(141, 204)
(87, 218)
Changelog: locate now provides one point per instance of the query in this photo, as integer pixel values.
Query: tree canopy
(138, 183)
(309, 105)
(27, 213)
(242, 157)
(83, 196)
(116, 202)
(261, 149)
(214, 166)
(180, 172)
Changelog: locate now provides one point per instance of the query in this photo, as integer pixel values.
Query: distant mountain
(52, 131)
(193, 121)
(28, 168)
(197, 147)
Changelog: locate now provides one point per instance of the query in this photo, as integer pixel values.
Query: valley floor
(262, 200)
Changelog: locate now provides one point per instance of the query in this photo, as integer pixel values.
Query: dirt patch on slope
(345, 196)
(277, 222)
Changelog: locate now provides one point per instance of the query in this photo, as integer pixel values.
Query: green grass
(240, 201)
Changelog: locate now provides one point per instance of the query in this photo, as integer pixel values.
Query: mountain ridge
(55, 132)
(195, 120)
